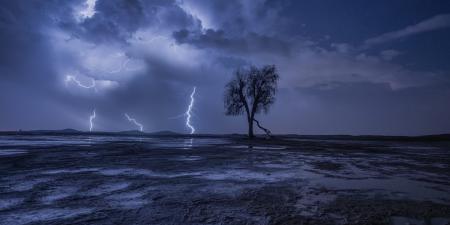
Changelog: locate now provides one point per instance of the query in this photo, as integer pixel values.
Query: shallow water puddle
(127, 200)
(247, 175)
(59, 193)
(70, 171)
(188, 158)
(26, 185)
(409, 188)
(257, 147)
(12, 152)
(187, 143)
(7, 203)
(42, 215)
(107, 188)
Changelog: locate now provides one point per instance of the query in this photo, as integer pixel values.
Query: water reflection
(188, 143)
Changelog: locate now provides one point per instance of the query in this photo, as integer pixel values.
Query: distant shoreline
(436, 137)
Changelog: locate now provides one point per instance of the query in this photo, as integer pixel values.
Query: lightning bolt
(188, 112)
(70, 78)
(91, 121)
(161, 37)
(122, 66)
(141, 128)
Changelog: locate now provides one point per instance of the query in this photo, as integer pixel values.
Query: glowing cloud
(87, 11)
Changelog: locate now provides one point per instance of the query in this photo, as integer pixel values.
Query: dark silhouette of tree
(251, 91)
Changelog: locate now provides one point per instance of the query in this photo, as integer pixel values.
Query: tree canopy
(251, 91)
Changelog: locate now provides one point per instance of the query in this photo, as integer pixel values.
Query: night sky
(346, 67)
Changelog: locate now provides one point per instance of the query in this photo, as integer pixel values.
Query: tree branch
(262, 128)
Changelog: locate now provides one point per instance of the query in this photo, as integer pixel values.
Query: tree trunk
(250, 128)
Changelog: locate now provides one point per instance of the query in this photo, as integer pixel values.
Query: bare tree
(251, 91)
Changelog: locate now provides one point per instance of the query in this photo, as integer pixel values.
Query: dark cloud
(113, 20)
(430, 24)
(118, 20)
(146, 56)
(250, 43)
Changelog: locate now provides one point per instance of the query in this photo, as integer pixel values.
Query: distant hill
(38, 132)
(158, 133)
(69, 130)
(130, 132)
(164, 133)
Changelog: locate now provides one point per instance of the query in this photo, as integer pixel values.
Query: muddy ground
(222, 180)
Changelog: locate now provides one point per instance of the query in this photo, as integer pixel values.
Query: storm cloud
(145, 57)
